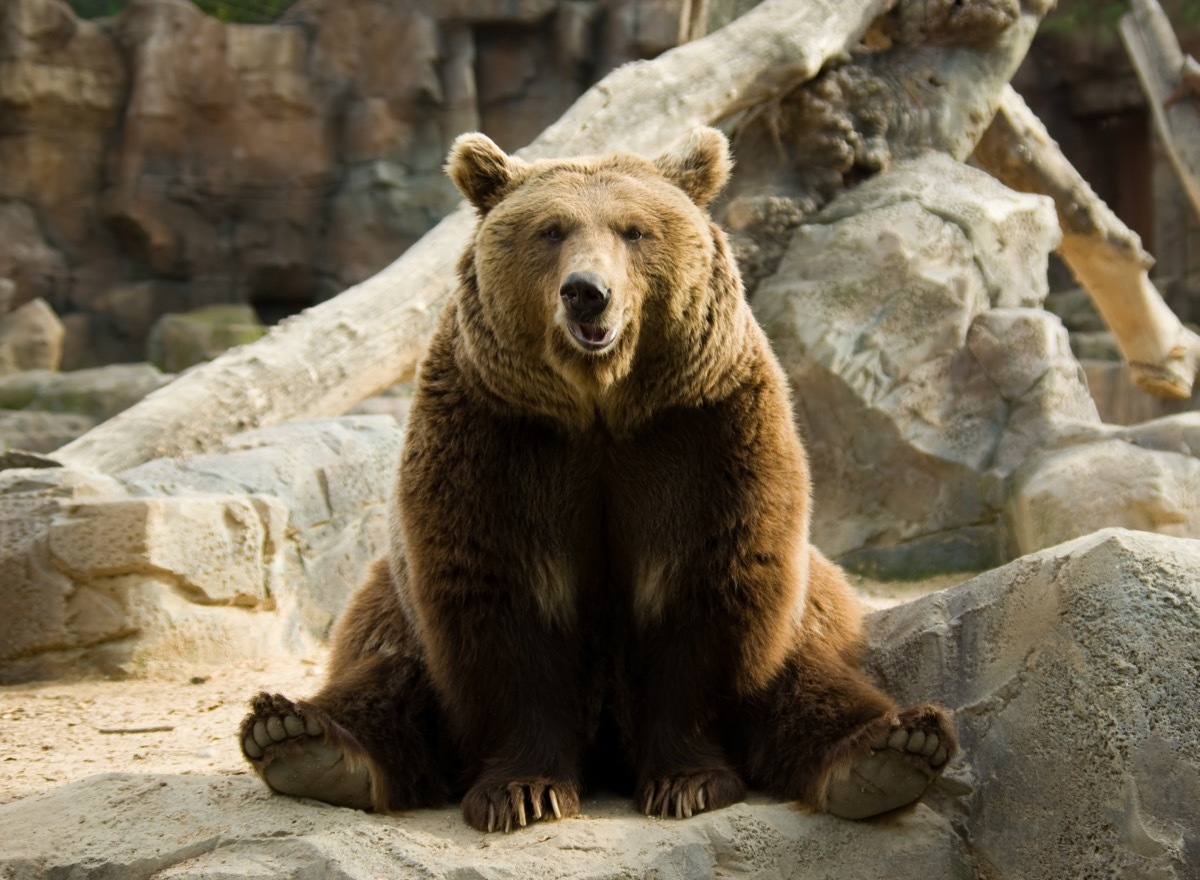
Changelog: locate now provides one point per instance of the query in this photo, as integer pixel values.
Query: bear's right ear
(700, 167)
(480, 169)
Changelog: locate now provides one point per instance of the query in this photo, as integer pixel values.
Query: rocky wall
(161, 160)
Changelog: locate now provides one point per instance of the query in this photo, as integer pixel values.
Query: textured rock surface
(1072, 673)
(207, 827)
(1144, 477)
(35, 615)
(904, 316)
(247, 552)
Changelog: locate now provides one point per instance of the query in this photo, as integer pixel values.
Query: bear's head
(591, 266)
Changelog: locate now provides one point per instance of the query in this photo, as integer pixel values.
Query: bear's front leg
(510, 682)
(681, 691)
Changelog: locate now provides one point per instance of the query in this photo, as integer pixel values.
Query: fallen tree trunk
(324, 360)
(1171, 82)
(1104, 254)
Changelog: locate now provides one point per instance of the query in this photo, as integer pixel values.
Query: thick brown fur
(600, 572)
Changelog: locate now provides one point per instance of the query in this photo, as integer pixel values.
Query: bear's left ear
(701, 167)
(481, 170)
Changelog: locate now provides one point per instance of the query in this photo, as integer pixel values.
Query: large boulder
(935, 396)
(1144, 477)
(247, 552)
(179, 341)
(40, 431)
(1072, 674)
(31, 338)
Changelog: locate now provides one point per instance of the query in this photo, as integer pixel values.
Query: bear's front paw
(683, 795)
(905, 756)
(491, 807)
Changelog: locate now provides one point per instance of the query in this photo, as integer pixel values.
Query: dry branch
(1171, 82)
(324, 360)
(1103, 253)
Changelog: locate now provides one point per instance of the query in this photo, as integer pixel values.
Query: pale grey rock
(8, 294)
(333, 477)
(1144, 477)
(31, 338)
(218, 549)
(98, 393)
(1072, 676)
(40, 431)
(905, 314)
(36, 625)
(181, 340)
(244, 553)
(189, 828)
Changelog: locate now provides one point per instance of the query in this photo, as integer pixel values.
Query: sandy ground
(178, 721)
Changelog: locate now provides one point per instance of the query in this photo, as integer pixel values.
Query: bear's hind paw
(293, 753)
(895, 772)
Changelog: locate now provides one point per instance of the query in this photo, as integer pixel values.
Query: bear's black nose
(584, 295)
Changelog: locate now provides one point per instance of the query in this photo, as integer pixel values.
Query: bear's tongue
(593, 333)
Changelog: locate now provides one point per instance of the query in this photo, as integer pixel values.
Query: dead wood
(1104, 254)
(1171, 82)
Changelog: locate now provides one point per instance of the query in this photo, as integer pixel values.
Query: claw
(554, 804)
(537, 804)
(521, 809)
(507, 821)
(679, 805)
(649, 801)
(491, 818)
(700, 800)
(687, 808)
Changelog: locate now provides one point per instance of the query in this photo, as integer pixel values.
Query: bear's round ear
(701, 167)
(480, 169)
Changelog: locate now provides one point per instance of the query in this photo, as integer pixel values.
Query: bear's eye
(632, 234)
(554, 233)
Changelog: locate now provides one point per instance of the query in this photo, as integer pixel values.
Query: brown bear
(600, 572)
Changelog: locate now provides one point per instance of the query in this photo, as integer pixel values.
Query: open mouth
(592, 337)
